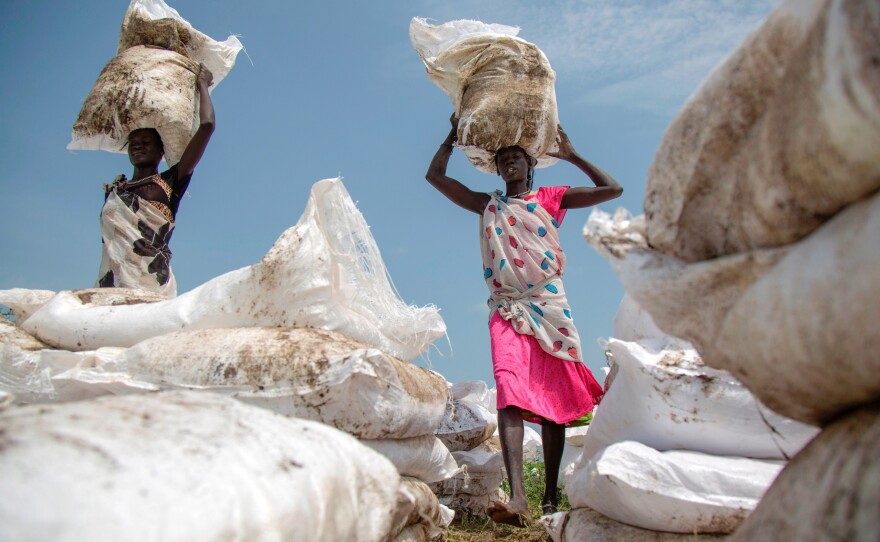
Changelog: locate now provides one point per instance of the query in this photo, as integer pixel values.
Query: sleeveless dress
(536, 353)
(137, 221)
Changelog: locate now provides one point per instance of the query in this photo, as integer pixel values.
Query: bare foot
(504, 513)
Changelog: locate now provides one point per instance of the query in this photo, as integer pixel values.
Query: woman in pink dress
(536, 351)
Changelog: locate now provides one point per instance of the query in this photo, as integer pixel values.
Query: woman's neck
(517, 188)
(143, 172)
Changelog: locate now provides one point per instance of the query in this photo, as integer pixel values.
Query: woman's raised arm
(199, 142)
(584, 196)
(449, 187)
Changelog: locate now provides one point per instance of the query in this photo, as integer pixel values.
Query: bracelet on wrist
(447, 145)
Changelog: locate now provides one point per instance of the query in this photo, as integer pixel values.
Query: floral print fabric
(135, 251)
(523, 265)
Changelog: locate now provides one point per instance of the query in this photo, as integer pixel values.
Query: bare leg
(510, 429)
(553, 441)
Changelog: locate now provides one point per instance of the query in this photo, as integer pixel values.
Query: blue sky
(335, 88)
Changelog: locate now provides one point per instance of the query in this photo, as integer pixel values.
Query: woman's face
(144, 147)
(513, 164)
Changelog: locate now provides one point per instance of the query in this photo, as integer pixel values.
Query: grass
(482, 529)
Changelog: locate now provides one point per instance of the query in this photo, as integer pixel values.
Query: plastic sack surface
(585, 525)
(501, 87)
(829, 492)
(675, 491)
(151, 83)
(419, 507)
(777, 140)
(663, 396)
(425, 457)
(791, 323)
(306, 373)
(326, 272)
(194, 466)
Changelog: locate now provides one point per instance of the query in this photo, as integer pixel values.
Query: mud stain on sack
(104, 297)
(167, 33)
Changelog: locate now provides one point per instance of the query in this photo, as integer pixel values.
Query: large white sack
(425, 457)
(791, 323)
(42, 375)
(674, 491)
(474, 505)
(585, 525)
(465, 425)
(483, 472)
(829, 492)
(684, 300)
(663, 396)
(146, 21)
(306, 373)
(501, 87)
(186, 466)
(141, 87)
(151, 83)
(417, 505)
(325, 272)
(804, 336)
(778, 139)
(571, 456)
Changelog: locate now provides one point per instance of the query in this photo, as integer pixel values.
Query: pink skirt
(528, 377)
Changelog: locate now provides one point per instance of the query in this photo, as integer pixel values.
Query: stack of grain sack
(501, 87)
(312, 333)
(151, 82)
(470, 431)
(760, 247)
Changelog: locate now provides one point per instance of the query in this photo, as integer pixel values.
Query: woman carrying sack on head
(536, 352)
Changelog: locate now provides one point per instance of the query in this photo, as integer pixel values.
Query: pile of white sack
(276, 338)
(760, 247)
(502, 87)
(151, 82)
(470, 431)
(674, 446)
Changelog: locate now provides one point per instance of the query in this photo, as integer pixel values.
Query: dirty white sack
(326, 272)
(425, 457)
(302, 372)
(501, 87)
(665, 397)
(674, 491)
(777, 140)
(145, 86)
(186, 466)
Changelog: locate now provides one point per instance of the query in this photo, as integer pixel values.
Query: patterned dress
(536, 352)
(137, 221)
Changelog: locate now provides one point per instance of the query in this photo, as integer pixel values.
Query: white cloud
(649, 54)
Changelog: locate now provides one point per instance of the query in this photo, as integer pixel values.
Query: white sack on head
(153, 22)
(151, 83)
(326, 272)
(186, 466)
(501, 87)
(306, 373)
(140, 88)
(664, 397)
(425, 457)
(829, 492)
(778, 139)
(675, 491)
